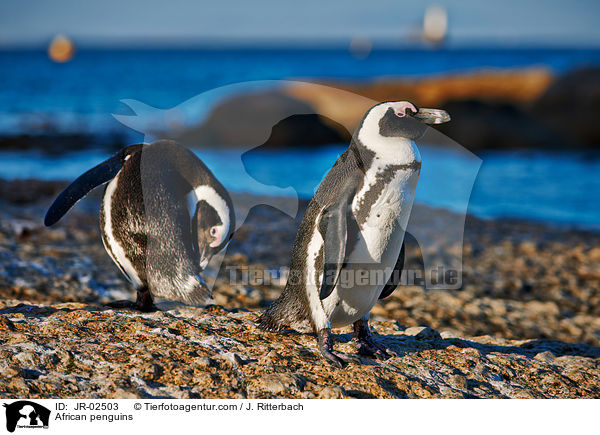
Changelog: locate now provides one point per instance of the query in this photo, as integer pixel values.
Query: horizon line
(219, 44)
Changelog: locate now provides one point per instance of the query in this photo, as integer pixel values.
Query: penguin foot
(143, 303)
(129, 305)
(365, 345)
(368, 347)
(338, 359)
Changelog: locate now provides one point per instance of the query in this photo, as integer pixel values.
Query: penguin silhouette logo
(25, 414)
(243, 118)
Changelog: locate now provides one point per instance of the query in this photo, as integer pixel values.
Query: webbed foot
(143, 303)
(365, 345)
(338, 359)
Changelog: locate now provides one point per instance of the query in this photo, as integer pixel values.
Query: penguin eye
(405, 110)
(214, 231)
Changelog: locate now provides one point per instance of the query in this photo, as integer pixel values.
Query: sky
(141, 22)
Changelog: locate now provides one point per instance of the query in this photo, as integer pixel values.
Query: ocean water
(36, 93)
(37, 96)
(560, 188)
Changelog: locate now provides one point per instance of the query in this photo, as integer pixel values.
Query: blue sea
(39, 96)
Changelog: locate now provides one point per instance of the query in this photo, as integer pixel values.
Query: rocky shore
(83, 350)
(526, 322)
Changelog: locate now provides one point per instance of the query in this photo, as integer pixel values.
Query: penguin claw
(372, 349)
(365, 344)
(340, 359)
(334, 359)
(348, 358)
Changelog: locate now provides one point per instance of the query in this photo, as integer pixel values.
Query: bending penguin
(354, 226)
(163, 216)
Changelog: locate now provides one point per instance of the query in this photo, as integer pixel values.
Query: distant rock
(270, 118)
(482, 125)
(563, 117)
(50, 141)
(571, 107)
(490, 109)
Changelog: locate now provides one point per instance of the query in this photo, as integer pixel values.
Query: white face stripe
(216, 201)
(388, 150)
(398, 150)
(116, 251)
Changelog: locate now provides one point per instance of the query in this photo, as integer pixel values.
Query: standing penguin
(354, 228)
(163, 216)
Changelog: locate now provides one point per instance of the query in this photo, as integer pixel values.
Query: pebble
(279, 383)
(423, 333)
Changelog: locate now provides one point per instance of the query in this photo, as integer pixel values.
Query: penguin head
(212, 223)
(401, 119)
(404, 119)
(209, 231)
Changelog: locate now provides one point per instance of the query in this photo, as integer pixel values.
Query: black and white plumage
(355, 225)
(163, 216)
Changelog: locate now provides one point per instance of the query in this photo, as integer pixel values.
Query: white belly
(112, 246)
(372, 260)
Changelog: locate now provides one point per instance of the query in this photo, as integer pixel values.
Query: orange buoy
(61, 49)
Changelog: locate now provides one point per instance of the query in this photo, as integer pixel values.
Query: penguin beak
(432, 116)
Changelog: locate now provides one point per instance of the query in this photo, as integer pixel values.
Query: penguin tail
(96, 176)
(272, 319)
(200, 294)
(283, 313)
(190, 289)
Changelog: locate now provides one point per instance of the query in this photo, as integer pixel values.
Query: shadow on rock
(428, 338)
(35, 311)
(420, 338)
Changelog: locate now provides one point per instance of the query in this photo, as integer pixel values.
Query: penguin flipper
(96, 176)
(199, 294)
(394, 279)
(333, 226)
